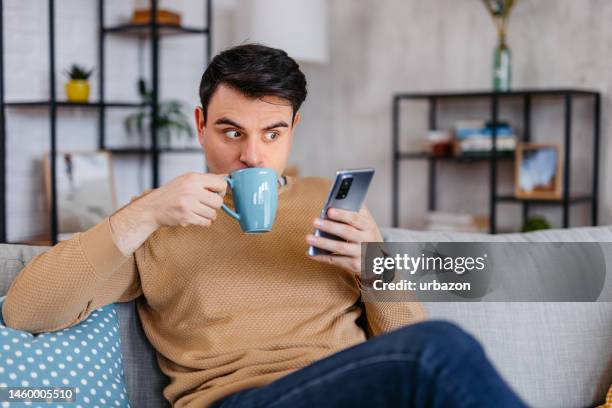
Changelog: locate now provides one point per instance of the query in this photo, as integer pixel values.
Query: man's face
(243, 132)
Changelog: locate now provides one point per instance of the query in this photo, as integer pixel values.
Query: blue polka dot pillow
(85, 357)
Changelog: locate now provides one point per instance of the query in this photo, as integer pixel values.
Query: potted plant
(537, 222)
(77, 87)
(171, 119)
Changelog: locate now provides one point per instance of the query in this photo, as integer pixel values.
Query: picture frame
(538, 171)
(85, 189)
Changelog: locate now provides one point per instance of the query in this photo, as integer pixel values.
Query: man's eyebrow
(227, 121)
(282, 123)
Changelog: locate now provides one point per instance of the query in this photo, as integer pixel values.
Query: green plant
(78, 72)
(170, 117)
(500, 12)
(537, 222)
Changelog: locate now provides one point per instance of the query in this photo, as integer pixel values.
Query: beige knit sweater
(224, 310)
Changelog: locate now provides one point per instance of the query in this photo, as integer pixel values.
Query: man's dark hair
(256, 71)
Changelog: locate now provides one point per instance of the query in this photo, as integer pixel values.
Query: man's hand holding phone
(354, 228)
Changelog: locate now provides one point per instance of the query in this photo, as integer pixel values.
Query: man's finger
(205, 211)
(338, 247)
(353, 218)
(342, 230)
(209, 198)
(214, 182)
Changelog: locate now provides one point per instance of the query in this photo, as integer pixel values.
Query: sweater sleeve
(385, 316)
(389, 311)
(64, 285)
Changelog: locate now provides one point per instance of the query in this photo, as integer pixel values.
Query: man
(252, 320)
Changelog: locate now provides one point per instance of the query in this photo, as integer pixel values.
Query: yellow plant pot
(77, 90)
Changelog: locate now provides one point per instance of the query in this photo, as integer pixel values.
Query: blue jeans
(427, 364)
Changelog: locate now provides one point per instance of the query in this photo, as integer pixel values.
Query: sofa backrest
(553, 354)
(145, 382)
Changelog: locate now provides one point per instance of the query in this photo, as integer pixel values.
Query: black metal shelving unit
(154, 31)
(495, 98)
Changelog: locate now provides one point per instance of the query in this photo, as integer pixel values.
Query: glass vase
(502, 67)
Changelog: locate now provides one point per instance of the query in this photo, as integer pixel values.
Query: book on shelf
(456, 222)
(475, 138)
(470, 129)
(469, 138)
(483, 145)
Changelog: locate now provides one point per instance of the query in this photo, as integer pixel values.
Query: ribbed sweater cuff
(100, 250)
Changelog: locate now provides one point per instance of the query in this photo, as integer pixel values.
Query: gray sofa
(553, 354)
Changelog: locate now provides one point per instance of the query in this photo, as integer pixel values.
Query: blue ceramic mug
(255, 195)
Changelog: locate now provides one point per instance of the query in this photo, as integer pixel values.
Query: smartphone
(348, 193)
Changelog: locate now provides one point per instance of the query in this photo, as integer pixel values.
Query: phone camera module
(344, 188)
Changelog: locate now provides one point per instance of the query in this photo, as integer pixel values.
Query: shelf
(66, 104)
(574, 199)
(427, 156)
(141, 150)
(51, 106)
(494, 100)
(145, 29)
(489, 94)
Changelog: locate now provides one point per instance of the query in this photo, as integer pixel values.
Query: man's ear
(200, 123)
(296, 119)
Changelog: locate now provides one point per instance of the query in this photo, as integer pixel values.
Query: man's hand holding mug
(189, 199)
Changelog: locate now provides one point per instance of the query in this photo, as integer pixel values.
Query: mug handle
(225, 208)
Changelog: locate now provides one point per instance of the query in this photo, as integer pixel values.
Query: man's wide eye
(271, 135)
(232, 134)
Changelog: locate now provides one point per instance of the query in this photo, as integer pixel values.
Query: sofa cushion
(553, 354)
(85, 357)
(145, 382)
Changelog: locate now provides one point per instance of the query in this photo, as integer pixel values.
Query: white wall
(385, 46)
(378, 47)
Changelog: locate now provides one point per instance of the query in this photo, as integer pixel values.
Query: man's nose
(251, 154)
